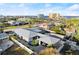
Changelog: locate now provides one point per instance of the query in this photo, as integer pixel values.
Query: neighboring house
(73, 45)
(42, 25)
(69, 31)
(29, 34)
(47, 25)
(12, 22)
(5, 43)
(16, 22)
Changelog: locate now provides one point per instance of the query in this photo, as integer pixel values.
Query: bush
(34, 42)
(58, 30)
(51, 45)
(76, 38)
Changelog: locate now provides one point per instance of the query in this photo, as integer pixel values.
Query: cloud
(73, 7)
(25, 9)
(14, 12)
(47, 10)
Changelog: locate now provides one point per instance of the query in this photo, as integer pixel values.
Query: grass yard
(13, 27)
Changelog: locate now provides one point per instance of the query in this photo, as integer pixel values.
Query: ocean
(68, 17)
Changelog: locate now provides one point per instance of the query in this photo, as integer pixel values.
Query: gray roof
(34, 29)
(49, 40)
(73, 45)
(3, 36)
(26, 34)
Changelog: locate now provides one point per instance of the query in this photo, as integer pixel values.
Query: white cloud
(46, 10)
(73, 7)
(14, 11)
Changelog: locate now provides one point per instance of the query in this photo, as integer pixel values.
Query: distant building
(5, 43)
(40, 16)
(54, 16)
(1, 16)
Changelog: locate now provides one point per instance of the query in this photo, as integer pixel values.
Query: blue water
(71, 17)
(67, 17)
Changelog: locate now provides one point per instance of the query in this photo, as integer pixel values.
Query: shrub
(34, 42)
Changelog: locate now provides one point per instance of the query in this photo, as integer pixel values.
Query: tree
(76, 37)
(58, 30)
(14, 18)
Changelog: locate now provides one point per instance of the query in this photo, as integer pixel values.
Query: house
(30, 34)
(73, 45)
(42, 25)
(16, 22)
(5, 43)
(70, 31)
(11, 22)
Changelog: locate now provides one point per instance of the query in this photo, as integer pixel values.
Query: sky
(65, 9)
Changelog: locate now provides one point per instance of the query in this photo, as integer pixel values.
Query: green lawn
(13, 27)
